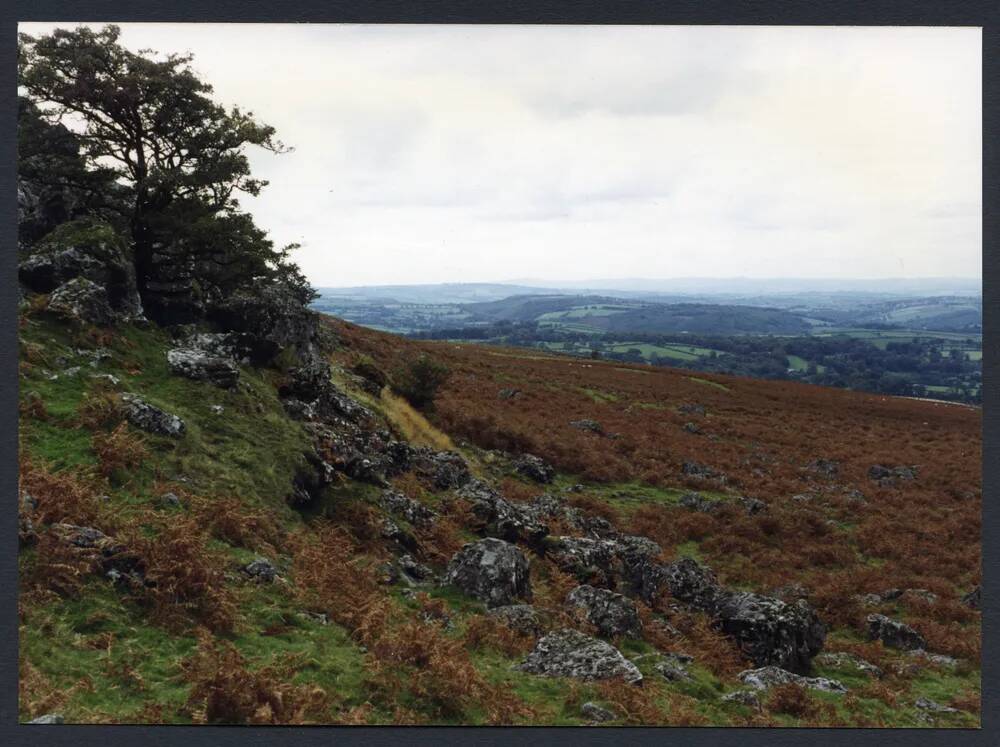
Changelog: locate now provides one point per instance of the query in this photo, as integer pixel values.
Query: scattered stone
(216, 409)
(508, 393)
(767, 677)
(570, 653)
(170, 500)
(940, 660)
(110, 378)
(261, 570)
(534, 468)
(894, 634)
(926, 704)
(843, 659)
(402, 505)
(152, 419)
(689, 408)
(753, 506)
(445, 469)
(743, 697)
(392, 531)
(692, 428)
(491, 570)
(414, 569)
(697, 502)
(81, 300)
(206, 357)
(890, 476)
(673, 667)
(593, 712)
(974, 599)
(48, 718)
(588, 425)
(320, 617)
(612, 614)
(824, 467)
(701, 472)
(522, 618)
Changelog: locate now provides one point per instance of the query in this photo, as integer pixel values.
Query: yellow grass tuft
(414, 426)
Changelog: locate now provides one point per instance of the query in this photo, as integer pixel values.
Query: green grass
(716, 384)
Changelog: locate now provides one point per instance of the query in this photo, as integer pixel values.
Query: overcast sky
(487, 153)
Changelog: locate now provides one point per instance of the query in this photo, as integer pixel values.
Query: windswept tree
(151, 121)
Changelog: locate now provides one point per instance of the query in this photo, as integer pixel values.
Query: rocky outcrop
(768, 677)
(151, 419)
(612, 614)
(112, 557)
(698, 502)
(588, 425)
(534, 468)
(596, 713)
(698, 471)
(260, 570)
(570, 653)
(768, 630)
(490, 570)
(445, 470)
(894, 634)
(206, 357)
(498, 517)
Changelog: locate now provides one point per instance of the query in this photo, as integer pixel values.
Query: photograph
(514, 375)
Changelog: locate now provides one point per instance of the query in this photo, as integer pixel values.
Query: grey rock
(82, 300)
(152, 419)
(824, 467)
(490, 570)
(894, 633)
(596, 713)
(891, 476)
(690, 408)
(216, 409)
(402, 505)
(765, 678)
(611, 613)
(445, 469)
(753, 506)
(673, 667)
(940, 660)
(261, 569)
(170, 500)
(508, 393)
(692, 428)
(570, 653)
(926, 704)
(697, 502)
(843, 660)
(414, 569)
(588, 425)
(701, 472)
(743, 697)
(534, 468)
(206, 357)
(48, 718)
(500, 518)
(522, 618)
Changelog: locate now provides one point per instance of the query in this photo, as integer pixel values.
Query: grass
(414, 427)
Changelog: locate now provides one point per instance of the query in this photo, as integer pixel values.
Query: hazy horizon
(429, 154)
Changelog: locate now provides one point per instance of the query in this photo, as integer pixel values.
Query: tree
(151, 121)
(420, 379)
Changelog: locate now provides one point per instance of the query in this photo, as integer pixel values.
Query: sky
(427, 154)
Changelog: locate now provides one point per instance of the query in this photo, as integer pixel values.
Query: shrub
(419, 380)
(121, 449)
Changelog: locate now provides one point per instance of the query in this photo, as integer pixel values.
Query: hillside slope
(295, 553)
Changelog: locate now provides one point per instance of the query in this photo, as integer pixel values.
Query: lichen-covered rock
(112, 557)
(893, 633)
(597, 713)
(570, 653)
(491, 570)
(48, 718)
(845, 660)
(206, 357)
(698, 502)
(611, 613)
(151, 419)
(522, 618)
(926, 704)
(673, 667)
(753, 506)
(83, 301)
(824, 467)
(770, 631)
(588, 425)
(402, 505)
(500, 518)
(701, 472)
(891, 476)
(261, 570)
(312, 386)
(767, 677)
(743, 697)
(534, 468)
(445, 469)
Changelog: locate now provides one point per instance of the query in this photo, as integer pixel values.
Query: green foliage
(420, 379)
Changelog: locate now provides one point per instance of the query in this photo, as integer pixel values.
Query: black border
(982, 13)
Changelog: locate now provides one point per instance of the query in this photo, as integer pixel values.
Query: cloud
(450, 153)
